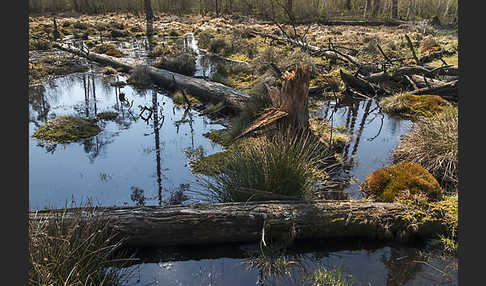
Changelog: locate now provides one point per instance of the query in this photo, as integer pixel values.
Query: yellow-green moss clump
(107, 115)
(389, 183)
(109, 50)
(408, 105)
(66, 129)
(178, 99)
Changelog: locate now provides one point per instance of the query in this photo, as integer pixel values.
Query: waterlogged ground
(142, 156)
(374, 135)
(130, 159)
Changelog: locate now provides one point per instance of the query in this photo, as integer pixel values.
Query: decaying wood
(447, 90)
(242, 222)
(362, 86)
(290, 102)
(332, 54)
(205, 91)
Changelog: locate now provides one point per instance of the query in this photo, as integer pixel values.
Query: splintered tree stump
(290, 102)
(294, 97)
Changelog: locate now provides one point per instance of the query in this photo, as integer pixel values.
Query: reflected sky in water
(106, 168)
(374, 135)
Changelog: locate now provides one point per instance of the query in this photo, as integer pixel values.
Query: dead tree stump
(289, 103)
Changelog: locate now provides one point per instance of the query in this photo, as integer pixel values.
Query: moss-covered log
(205, 91)
(244, 222)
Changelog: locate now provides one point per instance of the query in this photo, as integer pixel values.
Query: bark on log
(205, 91)
(362, 85)
(448, 90)
(244, 222)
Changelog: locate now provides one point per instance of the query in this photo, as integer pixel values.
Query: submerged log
(247, 222)
(205, 91)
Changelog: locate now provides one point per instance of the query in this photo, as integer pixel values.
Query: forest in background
(282, 10)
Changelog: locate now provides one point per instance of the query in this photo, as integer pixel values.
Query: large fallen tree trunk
(254, 221)
(205, 91)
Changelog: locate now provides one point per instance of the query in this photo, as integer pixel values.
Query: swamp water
(142, 157)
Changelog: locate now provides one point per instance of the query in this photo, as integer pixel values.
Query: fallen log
(447, 90)
(205, 91)
(362, 86)
(250, 221)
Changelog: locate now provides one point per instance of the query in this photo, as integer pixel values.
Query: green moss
(217, 136)
(178, 99)
(408, 105)
(392, 182)
(107, 115)
(322, 129)
(66, 129)
(210, 165)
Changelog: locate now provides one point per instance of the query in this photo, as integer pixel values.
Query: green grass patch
(66, 129)
(412, 106)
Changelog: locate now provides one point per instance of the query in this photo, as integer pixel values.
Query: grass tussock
(408, 105)
(433, 143)
(325, 276)
(80, 252)
(283, 165)
(391, 183)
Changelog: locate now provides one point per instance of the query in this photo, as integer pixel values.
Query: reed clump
(75, 252)
(280, 165)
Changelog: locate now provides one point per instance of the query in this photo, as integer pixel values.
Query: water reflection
(364, 118)
(59, 172)
(358, 262)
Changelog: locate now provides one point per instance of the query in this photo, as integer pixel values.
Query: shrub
(433, 143)
(389, 183)
(408, 105)
(218, 45)
(82, 252)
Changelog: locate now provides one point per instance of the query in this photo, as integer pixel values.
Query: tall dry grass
(80, 252)
(433, 143)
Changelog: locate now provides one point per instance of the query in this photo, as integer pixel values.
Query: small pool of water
(139, 157)
(374, 135)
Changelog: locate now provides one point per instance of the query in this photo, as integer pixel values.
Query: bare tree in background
(149, 14)
(376, 7)
(394, 9)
